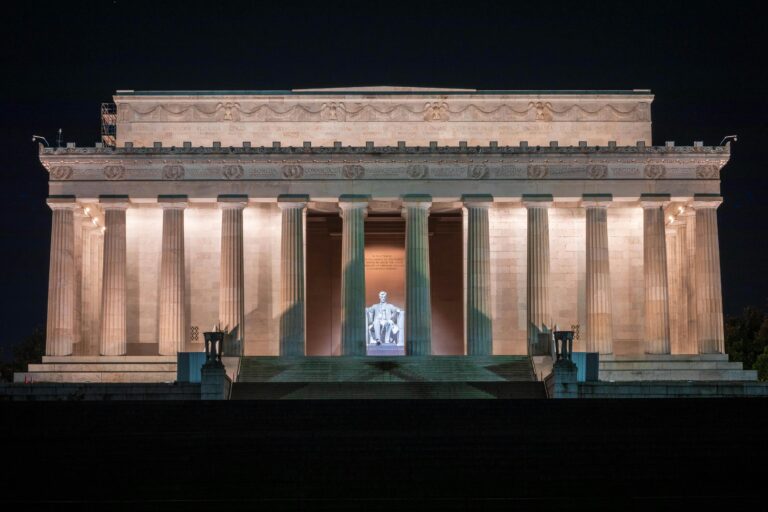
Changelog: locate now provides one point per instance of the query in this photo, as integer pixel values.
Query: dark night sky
(704, 62)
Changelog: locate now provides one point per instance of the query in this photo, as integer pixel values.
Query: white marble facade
(382, 145)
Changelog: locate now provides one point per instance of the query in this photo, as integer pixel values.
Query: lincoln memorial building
(489, 219)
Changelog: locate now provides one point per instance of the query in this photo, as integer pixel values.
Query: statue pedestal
(386, 349)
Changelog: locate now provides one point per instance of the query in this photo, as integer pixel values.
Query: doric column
(113, 340)
(688, 279)
(478, 254)
(80, 225)
(418, 304)
(172, 322)
(292, 286)
(708, 286)
(61, 278)
(538, 306)
(673, 282)
(231, 284)
(599, 332)
(655, 272)
(353, 212)
(93, 246)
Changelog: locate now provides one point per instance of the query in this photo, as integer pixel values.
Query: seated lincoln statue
(384, 322)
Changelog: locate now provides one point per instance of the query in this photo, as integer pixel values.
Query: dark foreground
(385, 455)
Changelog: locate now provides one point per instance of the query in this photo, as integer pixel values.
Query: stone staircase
(101, 369)
(696, 367)
(430, 377)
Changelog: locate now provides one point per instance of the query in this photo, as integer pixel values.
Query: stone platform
(652, 367)
(382, 377)
(101, 369)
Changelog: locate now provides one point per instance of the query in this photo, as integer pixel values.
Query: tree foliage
(746, 339)
(29, 350)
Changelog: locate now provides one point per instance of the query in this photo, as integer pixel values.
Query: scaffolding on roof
(108, 124)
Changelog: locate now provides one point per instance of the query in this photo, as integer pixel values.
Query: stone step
(669, 365)
(678, 375)
(67, 376)
(103, 367)
(386, 390)
(665, 357)
(109, 359)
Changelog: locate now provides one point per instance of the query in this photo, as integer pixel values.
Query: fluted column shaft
(538, 301)
(172, 321)
(673, 282)
(61, 279)
(478, 314)
(231, 284)
(599, 331)
(93, 245)
(292, 318)
(655, 274)
(688, 278)
(353, 329)
(418, 303)
(113, 340)
(708, 284)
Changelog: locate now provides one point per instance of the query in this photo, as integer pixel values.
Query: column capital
(353, 202)
(232, 201)
(172, 202)
(537, 200)
(114, 202)
(416, 200)
(596, 200)
(654, 200)
(477, 200)
(62, 202)
(285, 201)
(701, 201)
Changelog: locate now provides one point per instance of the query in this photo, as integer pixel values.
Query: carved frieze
(114, 172)
(655, 171)
(537, 171)
(173, 172)
(707, 172)
(293, 172)
(61, 172)
(478, 171)
(353, 172)
(597, 171)
(232, 172)
(367, 111)
(417, 171)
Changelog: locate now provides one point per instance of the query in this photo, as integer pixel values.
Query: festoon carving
(62, 172)
(114, 172)
(293, 171)
(232, 172)
(597, 171)
(352, 171)
(537, 171)
(173, 172)
(655, 171)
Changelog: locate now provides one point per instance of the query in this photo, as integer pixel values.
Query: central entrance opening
(384, 271)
